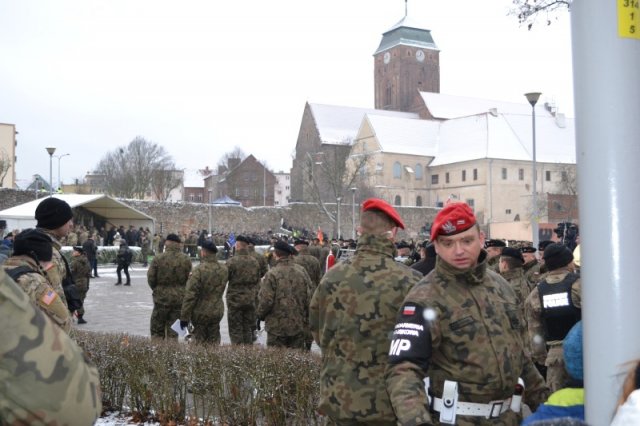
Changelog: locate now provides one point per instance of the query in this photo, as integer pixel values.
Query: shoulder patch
(49, 297)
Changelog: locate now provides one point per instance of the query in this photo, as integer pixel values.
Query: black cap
(210, 246)
(79, 249)
(174, 238)
(35, 243)
(527, 249)
(300, 241)
(403, 244)
(52, 213)
(284, 247)
(512, 252)
(556, 256)
(544, 244)
(243, 239)
(494, 243)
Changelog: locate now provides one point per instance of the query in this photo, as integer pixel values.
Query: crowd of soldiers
(480, 318)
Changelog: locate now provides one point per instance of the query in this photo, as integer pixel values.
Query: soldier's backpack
(19, 271)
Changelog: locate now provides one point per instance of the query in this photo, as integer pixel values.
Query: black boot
(118, 283)
(81, 320)
(127, 283)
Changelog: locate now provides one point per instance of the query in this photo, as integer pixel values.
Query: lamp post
(59, 157)
(353, 213)
(533, 97)
(51, 150)
(338, 215)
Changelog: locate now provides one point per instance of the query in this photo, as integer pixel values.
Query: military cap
(403, 244)
(300, 241)
(79, 249)
(243, 239)
(512, 252)
(543, 244)
(210, 246)
(527, 249)
(376, 204)
(556, 256)
(32, 242)
(174, 238)
(52, 213)
(494, 243)
(452, 219)
(282, 246)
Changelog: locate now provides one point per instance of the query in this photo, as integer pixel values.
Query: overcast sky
(201, 77)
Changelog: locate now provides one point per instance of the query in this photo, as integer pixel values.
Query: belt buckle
(496, 409)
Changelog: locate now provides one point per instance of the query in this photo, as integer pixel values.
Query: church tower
(406, 62)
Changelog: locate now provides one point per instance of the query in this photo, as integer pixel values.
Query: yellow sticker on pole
(629, 18)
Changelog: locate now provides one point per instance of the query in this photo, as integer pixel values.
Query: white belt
(489, 410)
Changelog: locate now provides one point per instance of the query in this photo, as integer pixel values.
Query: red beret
(384, 207)
(452, 219)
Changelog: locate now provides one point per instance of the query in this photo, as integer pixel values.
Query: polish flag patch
(49, 297)
(409, 310)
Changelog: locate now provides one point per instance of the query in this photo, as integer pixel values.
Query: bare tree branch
(5, 164)
(528, 11)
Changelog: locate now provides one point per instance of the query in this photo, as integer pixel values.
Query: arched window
(397, 170)
(419, 201)
(418, 171)
(397, 201)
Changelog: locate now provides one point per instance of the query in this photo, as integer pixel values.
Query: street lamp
(51, 150)
(338, 218)
(533, 99)
(353, 213)
(59, 157)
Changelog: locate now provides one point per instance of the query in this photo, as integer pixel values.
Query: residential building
(282, 189)
(8, 157)
(247, 181)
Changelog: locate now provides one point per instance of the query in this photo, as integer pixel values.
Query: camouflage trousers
(82, 293)
(161, 319)
(293, 342)
(241, 321)
(557, 376)
(207, 330)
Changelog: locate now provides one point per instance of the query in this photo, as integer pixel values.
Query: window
(507, 211)
(434, 179)
(439, 204)
(464, 175)
(418, 201)
(397, 201)
(547, 175)
(504, 173)
(475, 174)
(286, 188)
(397, 170)
(379, 168)
(564, 176)
(520, 174)
(418, 172)
(446, 177)
(471, 203)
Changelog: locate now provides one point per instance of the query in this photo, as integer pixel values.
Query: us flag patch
(409, 310)
(49, 297)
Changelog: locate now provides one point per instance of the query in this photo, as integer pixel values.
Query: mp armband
(411, 339)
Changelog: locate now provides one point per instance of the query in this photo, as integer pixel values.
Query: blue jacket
(567, 402)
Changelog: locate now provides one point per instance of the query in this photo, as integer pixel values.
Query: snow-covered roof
(226, 201)
(449, 106)
(404, 135)
(338, 125)
(506, 136)
(406, 32)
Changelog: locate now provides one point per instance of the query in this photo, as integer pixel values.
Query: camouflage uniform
(59, 271)
(262, 261)
(202, 302)
(549, 353)
(352, 314)
(46, 379)
(520, 286)
(283, 303)
(532, 273)
(244, 276)
(167, 277)
(81, 271)
(493, 264)
(146, 244)
(314, 270)
(37, 286)
(462, 326)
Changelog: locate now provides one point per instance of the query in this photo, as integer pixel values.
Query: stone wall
(184, 217)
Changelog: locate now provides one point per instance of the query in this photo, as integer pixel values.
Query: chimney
(493, 111)
(221, 170)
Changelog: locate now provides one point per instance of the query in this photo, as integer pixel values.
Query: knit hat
(34, 243)
(174, 238)
(572, 347)
(453, 219)
(52, 213)
(556, 256)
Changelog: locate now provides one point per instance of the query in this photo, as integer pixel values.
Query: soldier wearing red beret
(461, 327)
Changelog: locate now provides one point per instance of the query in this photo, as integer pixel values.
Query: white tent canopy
(111, 210)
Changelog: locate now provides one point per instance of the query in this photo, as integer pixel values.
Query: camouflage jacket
(518, 283)
(283, 299)
(493, 264)
(535, 324)
(203, 294)
(262, 261)
(475, 330)
(80, 270)
(532, 272)
(352, 314)
(244, 276)
(59, 272)
(39, 290)
(45, 376)
(311, 264)
(167, 276)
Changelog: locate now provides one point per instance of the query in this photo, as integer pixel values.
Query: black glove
(258, 324)
(184, 324)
